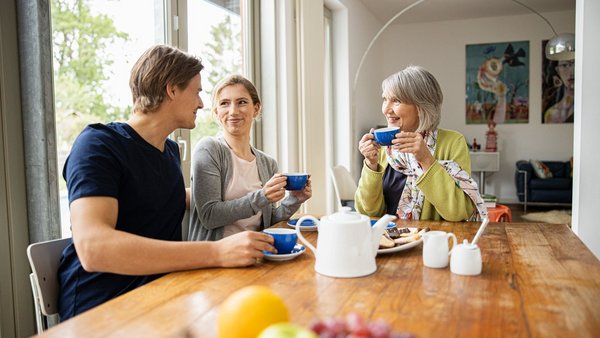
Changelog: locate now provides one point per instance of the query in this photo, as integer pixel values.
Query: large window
(96, 42)
(215, 33)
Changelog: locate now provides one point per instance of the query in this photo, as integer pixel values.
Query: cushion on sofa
(559, 168)
(540, 169)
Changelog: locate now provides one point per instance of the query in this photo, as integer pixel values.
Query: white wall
(440, 47)
(362, 27)
(586, 183)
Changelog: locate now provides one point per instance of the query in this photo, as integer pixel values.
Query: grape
(355, 323)
(354, 326)
(379, 329)
(402, 335)
(362, 331)
(317, 326)
(335, 325)
(362, 334)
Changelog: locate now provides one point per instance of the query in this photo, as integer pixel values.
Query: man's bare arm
(102, 248)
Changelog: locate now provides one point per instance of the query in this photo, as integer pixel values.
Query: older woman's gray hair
(417, 86)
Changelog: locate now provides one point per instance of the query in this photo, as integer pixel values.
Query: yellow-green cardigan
(444, 200)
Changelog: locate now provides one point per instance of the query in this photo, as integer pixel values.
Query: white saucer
(307, 225)
(298, 250)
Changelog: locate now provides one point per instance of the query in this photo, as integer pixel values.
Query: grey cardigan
(212, 169)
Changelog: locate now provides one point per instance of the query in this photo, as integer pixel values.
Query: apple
(286, 330)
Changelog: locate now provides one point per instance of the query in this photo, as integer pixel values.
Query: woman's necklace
(246, 156)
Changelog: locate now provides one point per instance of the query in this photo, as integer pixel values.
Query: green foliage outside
(81, 41)
(222, 57)
(80, 68)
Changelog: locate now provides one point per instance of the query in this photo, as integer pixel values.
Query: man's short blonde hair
(158, 67)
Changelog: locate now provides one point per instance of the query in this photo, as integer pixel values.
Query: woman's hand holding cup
(274, 189)
(369, 149)
(304, 194)
(413, 143)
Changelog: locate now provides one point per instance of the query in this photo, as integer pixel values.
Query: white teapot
(347, 244)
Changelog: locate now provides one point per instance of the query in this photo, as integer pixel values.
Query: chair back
(44, 258)
(344, 184)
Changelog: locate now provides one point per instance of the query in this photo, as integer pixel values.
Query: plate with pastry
(400, 239)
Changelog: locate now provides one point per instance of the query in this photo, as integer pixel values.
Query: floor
(517, 210)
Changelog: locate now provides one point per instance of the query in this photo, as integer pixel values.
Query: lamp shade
(561, 47)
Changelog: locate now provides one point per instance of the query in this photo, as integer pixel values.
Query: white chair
(44, 258)
(344, 185)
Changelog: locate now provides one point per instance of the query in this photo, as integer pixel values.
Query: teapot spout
(378, 230)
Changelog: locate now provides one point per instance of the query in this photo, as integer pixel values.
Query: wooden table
(538, 280)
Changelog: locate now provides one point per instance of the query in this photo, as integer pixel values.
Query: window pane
(95, 44)
(215, 35)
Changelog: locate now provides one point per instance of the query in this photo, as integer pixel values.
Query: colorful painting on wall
(558, 89)
(497, 83)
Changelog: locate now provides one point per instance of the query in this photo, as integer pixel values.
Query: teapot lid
(345, 214)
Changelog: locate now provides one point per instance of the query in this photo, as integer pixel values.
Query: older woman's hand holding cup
(413, 143)
(369, 148)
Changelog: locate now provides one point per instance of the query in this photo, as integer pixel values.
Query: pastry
(408, 239)
(386, 242)
(396, 232)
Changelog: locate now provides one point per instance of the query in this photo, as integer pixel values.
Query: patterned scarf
(411, 201)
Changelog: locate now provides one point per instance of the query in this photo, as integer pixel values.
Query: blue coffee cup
(295, 181)
(384, 136)
(284, 239)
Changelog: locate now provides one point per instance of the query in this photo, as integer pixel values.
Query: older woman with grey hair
(425, 173)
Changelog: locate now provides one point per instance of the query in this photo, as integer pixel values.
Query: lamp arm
(362, 59)
(538, 14)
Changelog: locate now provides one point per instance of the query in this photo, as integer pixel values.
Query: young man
(127, 196)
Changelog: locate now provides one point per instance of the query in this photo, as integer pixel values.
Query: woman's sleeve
(440, 189)
(213, 212)
(368, 199)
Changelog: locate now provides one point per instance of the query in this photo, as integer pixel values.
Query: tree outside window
(95, 44)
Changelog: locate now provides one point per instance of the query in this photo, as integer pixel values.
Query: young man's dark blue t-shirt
(113, 160)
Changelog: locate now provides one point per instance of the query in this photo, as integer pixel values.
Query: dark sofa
(533, 190)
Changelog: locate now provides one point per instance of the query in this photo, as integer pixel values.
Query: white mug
(435, 248)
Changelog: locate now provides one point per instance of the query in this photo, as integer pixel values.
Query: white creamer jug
(435, 248)
(346, 244)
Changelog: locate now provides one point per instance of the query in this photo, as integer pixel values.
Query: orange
(248, 311)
